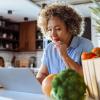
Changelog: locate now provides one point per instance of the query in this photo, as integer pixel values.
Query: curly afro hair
(66, 13)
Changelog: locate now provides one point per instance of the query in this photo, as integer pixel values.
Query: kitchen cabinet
(9, 35)
(31, 38)
(22, 37)
(27, 36)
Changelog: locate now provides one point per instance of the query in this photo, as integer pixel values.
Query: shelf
(7, 39)
(39, 40)
(5, 49)
(9, 35)
(39, 49)
(8, 29)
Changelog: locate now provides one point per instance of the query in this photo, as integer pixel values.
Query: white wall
(84, 9)
(95, 35)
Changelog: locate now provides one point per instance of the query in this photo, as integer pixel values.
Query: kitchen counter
(13, 95)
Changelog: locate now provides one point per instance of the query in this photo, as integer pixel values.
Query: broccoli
(68, 85)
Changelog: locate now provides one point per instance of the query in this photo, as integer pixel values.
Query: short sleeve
(88, 46)
(44, 57)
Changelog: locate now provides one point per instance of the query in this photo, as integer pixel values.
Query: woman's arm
(61, 47)
(42, 73)
(72, 64)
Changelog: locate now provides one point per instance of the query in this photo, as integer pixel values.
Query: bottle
(13, 61)
(4, 35)
(32, 62)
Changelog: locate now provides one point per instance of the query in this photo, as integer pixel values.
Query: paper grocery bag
(93, 78)
(87, 77)
(97, 71)
(90, 77)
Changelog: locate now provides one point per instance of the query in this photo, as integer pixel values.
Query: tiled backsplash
(21, 55)
(7, 57)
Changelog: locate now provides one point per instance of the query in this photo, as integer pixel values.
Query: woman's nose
(53, 33)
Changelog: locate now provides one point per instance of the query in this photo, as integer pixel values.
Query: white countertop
(13, 95)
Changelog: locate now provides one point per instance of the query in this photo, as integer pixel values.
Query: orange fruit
(88, 55)
(47, 84)
(96, 50)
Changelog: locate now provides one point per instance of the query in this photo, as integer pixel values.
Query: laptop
(19, 80)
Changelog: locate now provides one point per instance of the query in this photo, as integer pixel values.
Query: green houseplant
(96, 14)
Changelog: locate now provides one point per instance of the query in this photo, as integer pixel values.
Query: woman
(62, 24)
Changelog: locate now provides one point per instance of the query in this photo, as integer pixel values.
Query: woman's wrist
(64, 57)
(73, 65)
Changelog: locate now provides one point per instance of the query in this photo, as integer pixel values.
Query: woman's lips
(56, 39)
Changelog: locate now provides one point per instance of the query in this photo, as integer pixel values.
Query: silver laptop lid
(20, 80)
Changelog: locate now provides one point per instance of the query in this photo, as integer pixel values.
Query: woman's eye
(49, 30)
(58, 29)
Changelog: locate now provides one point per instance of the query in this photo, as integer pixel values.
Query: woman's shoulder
(78, 40)
(85, 43)
(84, 40)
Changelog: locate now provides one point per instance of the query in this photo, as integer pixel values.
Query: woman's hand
(61, 48)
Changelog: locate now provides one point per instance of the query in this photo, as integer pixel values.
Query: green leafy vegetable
(68, 85)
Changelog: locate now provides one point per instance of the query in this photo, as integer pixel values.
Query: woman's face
(57, 30)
